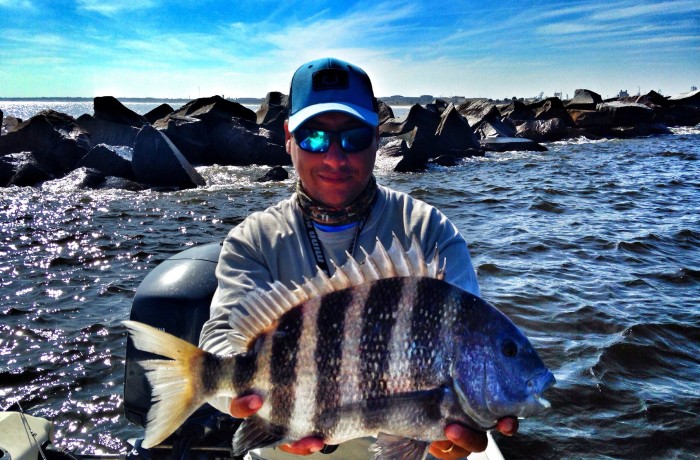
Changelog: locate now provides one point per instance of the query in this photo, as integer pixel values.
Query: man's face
(334, 178)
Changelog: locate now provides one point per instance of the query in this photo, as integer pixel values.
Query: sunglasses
(319, 141)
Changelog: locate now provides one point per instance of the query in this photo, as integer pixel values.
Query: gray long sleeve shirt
(273, 245)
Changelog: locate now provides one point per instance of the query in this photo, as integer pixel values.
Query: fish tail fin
(177, 387)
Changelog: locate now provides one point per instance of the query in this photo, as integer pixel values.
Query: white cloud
(112, 7)
(21, 4)
(654, 9)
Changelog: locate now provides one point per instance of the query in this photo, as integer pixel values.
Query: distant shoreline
(389, 100)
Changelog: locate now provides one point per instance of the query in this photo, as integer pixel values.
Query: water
(593, 248)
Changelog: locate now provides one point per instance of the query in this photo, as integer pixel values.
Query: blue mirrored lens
(354, 140)
(313, 140)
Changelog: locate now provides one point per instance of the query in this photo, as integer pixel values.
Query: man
(332, 136)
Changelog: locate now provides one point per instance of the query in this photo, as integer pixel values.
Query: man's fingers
(304, 446)
(461, 442)
(447, 450)
(470, 440)
(508, 426)
(245, 406)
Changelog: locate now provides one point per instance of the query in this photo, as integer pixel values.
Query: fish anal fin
(390, 447)
(254, 433)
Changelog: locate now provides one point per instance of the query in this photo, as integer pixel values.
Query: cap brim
(366, 116)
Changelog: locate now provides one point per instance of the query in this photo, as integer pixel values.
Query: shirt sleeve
(409, 216)
(239, 271)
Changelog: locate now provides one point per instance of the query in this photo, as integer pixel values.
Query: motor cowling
(175, 298)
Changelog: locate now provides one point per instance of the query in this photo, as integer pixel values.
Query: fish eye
(509, 349)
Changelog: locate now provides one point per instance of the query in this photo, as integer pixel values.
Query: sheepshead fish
(385, 348)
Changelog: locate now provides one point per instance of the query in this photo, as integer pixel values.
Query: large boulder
(454, 135)
(550, 130)
(270, 107)
(244, 143)
(682, 110)
(477, 112)
(394, 148)
(191, 137)
(679, 115)
(416, 153)
(584, 99)
(198, 126)
(81, 178)
(24, 170)
(107, 132)
(272, 114)
(157, 113)
(551, 108)
(215, 109)
(9, 124)
(438, 106)
(411, 152)
(274, 174)
(108, 108)
(56, 141)
(651, 99)
(517, 111)
(591, 119)
(627, 113)
(157, 162)
(691, 98)
(496, 128)
(110, 161)
(426, 121)
(384, 111)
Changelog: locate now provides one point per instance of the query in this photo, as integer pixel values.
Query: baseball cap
(331, 85)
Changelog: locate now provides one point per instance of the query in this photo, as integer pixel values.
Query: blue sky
(496, 49)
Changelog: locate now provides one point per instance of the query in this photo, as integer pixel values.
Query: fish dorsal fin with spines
(262, 307)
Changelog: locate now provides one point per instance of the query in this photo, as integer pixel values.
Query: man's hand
(462, 441)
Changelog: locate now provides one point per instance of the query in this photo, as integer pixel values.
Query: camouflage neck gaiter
(322, 214)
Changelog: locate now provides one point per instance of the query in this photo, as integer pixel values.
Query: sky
(241, 48)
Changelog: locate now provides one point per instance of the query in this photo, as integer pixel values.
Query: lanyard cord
(316, 243)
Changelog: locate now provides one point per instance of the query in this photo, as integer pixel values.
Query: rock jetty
(117, 147)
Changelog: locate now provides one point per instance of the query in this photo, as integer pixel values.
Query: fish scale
(385, 348)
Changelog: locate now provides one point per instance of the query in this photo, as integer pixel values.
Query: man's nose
(335, 153)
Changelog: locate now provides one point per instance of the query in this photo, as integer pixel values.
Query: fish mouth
(538, 385)
(532, 403)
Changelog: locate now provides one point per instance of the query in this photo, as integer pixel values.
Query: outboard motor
(175, 298)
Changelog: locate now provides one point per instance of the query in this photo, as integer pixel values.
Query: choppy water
(593, 248)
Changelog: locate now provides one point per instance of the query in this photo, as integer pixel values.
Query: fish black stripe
(426, 324)
(283, 363)
(211, 367)
(247, 366)
(330, 324)
(378, 320)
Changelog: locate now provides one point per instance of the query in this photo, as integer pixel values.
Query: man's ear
(287, 137)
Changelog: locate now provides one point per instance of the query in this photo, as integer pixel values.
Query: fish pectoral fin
(390, 447)
(253, 433)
